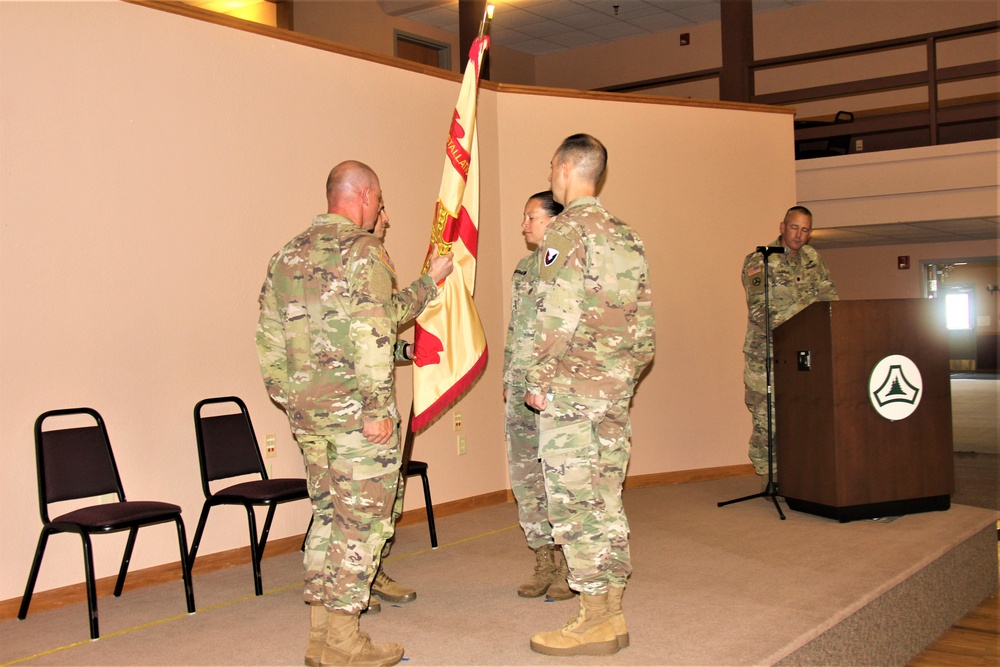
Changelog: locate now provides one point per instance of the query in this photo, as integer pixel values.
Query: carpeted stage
(712, 586)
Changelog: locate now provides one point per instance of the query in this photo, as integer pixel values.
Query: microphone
(767, 250)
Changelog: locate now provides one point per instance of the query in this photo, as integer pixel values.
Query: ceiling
(545, 26)
(937, 231)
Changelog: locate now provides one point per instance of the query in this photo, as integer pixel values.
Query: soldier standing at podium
(798, 278)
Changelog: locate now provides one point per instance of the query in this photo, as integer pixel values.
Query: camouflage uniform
(326, 339)
(526, 478)
(594, 336)
(796, 282)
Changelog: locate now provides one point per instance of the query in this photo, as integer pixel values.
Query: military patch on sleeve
(384, 256)
(755, 279)
(557, 249)
(380, 283)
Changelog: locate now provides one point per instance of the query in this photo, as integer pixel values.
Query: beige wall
(873, 273)
(152, 163)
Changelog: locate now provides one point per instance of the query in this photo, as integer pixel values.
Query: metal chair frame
(227, 448)
(76, 463)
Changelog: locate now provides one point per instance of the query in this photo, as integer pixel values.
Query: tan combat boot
(347, 645)
(317, 634)
(617, 617)
(590, 633)
(559, 588)
(389, 590)
(545, 567)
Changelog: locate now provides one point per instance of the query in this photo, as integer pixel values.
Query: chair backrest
(227, 445)
(74, 462)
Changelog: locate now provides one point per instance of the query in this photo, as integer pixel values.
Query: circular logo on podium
(895, 387)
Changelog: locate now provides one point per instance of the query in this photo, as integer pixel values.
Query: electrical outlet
(462, 446)
(458, 421)
(859, 145)
(270, 446)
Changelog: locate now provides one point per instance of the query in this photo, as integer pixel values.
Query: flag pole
(408, 434)
(484, 26)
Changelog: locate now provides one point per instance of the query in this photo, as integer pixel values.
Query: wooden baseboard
(685, 476)
(76, 593)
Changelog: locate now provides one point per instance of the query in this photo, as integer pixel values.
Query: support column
(470, 15)
(736, 82)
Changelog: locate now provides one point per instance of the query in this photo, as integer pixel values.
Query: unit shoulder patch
(557, 248)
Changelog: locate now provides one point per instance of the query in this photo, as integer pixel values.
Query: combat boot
(389, 590)
(318, 620)
(590, 633)
(559, 588)
(545, 567)
(347, 645)
(617, 617)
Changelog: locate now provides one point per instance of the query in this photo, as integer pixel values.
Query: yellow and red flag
(450, 346)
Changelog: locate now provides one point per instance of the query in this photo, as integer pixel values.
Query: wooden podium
(838, 367)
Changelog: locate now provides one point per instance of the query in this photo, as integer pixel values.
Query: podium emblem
(895, 387)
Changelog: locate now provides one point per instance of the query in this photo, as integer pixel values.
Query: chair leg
(305, 538)
(267, 529)
(258, 586)
(202, 520)
(126, 559)
(36, 563)
(88, 567)
(185, 565)
(430, 509)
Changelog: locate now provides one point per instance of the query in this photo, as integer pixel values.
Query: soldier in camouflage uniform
(526, 478)
(798, 279)
(326, 340)
(593, 338)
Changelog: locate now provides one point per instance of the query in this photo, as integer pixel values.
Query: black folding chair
(75, 463)
(227, 448)
(420, 468)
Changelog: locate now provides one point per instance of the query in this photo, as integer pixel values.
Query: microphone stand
(771, 490)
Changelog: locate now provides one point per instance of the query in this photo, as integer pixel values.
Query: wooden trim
(876, 85)
(969, 71)
(152, 576)
(636, 99)
(902, 118)
(671, 80)
(685, 476)
(881, 84)
(870, 47)
(456, 507)
(970, 101)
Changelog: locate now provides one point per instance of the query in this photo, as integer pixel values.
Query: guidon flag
(449, 342)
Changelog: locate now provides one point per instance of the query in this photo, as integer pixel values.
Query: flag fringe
(420, 421)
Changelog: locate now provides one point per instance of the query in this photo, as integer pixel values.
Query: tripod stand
(771, 490)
